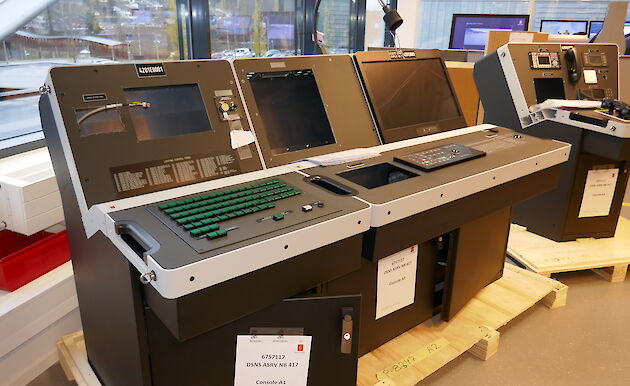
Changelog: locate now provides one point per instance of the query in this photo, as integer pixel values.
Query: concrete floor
(587, 342)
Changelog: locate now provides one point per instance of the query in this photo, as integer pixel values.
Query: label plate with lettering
(272, 360)
(147, 177)
(145, 70)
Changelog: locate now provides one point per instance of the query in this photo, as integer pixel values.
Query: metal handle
(346, 330)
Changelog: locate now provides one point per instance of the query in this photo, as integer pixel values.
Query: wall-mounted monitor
(470, 32)
(564, 27)
(595, 26)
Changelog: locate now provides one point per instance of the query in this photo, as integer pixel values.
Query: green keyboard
(201, 215)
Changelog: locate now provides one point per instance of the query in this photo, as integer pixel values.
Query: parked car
(271, 53)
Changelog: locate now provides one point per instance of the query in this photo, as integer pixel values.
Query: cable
(110, 107)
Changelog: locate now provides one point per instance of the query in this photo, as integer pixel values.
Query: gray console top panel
(183, 137)
(501, 146)
(344, 102)
(179, 248)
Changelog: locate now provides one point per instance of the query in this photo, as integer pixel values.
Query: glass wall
(435, 16)
(77, 32)
(334, 23)
(245, 29)
(434, 23)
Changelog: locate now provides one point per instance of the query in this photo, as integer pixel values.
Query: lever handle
(137, 233)
(346, 330)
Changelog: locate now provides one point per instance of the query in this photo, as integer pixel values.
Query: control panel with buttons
(439, 157)
(218, 218)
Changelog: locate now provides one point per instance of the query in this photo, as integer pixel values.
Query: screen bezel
(586, 22)
(341, 92)
(393, 135)
(487, 16)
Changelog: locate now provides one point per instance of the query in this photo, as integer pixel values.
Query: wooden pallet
(429, 346)
(422, 350)
(609, 258)
(73, 360)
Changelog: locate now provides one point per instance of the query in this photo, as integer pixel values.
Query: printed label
(396, 281)
(272, 360)
(145, 70)
(146, 177)
(599, 191)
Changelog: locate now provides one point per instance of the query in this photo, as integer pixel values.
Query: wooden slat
(473, 328)
(546, 256)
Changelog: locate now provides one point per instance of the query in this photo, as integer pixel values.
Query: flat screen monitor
(174, 110)
(470, 32)
(412, 95)
(596, 26)
(564, 27)
(291, 108)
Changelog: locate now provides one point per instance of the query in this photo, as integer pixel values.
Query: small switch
(307, 208)
(278, 216)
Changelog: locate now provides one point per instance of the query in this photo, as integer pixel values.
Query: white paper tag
(598, 192)
(240, 138)
(590, 76)
(272, 360)
(396, 281)
(521, 37)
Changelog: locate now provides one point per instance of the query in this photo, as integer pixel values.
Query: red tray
(25, 258)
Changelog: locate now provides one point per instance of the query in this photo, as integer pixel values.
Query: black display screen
(544, 60)
(174, 110)
(292, 111)
(409, 93)
(548, 88)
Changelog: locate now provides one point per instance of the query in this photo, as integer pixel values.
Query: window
(71, 32)
(254, 28)
(68, 32)
(333, 22)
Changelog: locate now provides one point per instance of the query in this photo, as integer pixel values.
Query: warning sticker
(147, 177)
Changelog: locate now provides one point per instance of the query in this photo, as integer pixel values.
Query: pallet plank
(545, 256)
(473, 329)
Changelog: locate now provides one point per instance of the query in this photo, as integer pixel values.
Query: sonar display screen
(173, 110)
(409, 92)
(292, 111)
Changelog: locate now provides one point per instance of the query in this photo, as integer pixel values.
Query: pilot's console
(395, 80)
(569, 93)
(192, 226)
(305, 106)
(178, 235)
